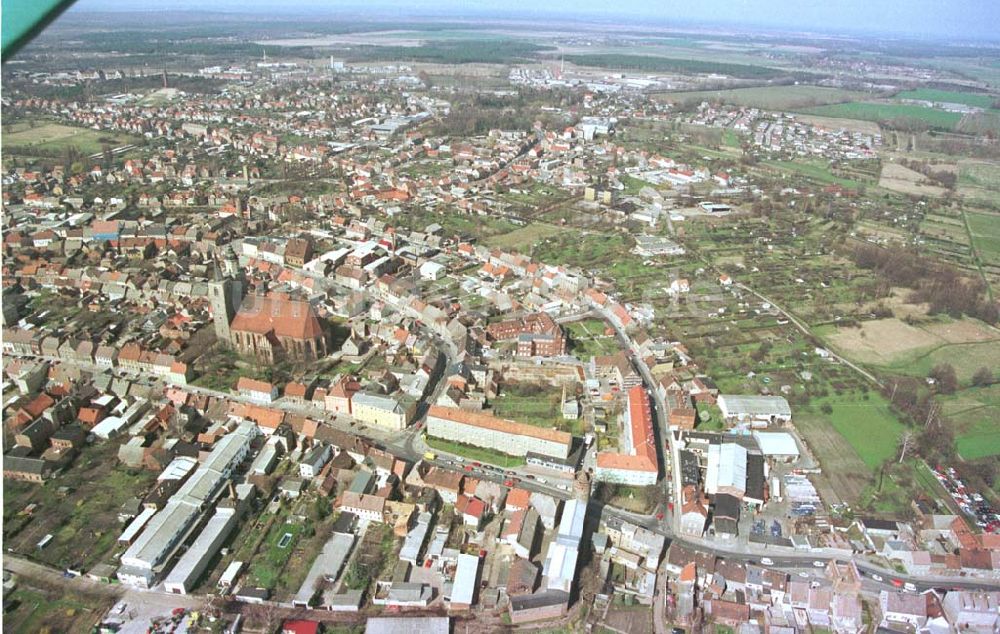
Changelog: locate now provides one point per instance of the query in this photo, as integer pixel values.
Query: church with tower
(226, 290)
(270, 328)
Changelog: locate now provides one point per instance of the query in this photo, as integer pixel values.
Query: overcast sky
(958, 19)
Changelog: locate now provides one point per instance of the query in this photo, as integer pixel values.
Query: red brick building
(537, 334)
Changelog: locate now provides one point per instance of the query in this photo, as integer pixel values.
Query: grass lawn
(868, 111)
(270, 561)
(474, 453)
(543, 409)
(576, 249)
(524, 238)
(220, 369)
(634, 185)
(981, 438)
(587, 339)
(631, 498)
(869, 426)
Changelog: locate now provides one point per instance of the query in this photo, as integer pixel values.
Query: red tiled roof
(285, 317)
(518, 499)
(246, 383)
(486, 421)
(643, 450)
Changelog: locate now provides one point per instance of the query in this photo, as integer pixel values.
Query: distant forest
(665, 65)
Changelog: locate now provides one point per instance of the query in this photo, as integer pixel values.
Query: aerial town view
(439, 317)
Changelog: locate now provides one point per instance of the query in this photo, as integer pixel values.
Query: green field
(45, 138)
(474, 453)
(974, 413)
(816, 170)
(965, 357)
(883, 112)
(871, 429)
(772, 98)
(985, 230)
(948, 96)
(982, 438)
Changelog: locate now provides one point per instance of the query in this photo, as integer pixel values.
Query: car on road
(909, 587)
(804, 575)
(819, 564)
(468, 467)
(508, 483)
(877, 578)
(767, 561)
(897, 582)
(477, 464)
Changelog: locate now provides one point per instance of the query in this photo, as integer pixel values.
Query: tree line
(943, 288)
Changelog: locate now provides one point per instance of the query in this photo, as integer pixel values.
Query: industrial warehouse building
(563, 552)
(195, 560)
(168, 529)
(757, 410)
(727, 470)
(489, 432)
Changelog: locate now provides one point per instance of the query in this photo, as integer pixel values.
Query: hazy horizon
(964, 20)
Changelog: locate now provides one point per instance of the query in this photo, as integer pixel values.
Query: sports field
(55, 138)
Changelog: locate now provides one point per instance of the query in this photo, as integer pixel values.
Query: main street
(661, 413)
